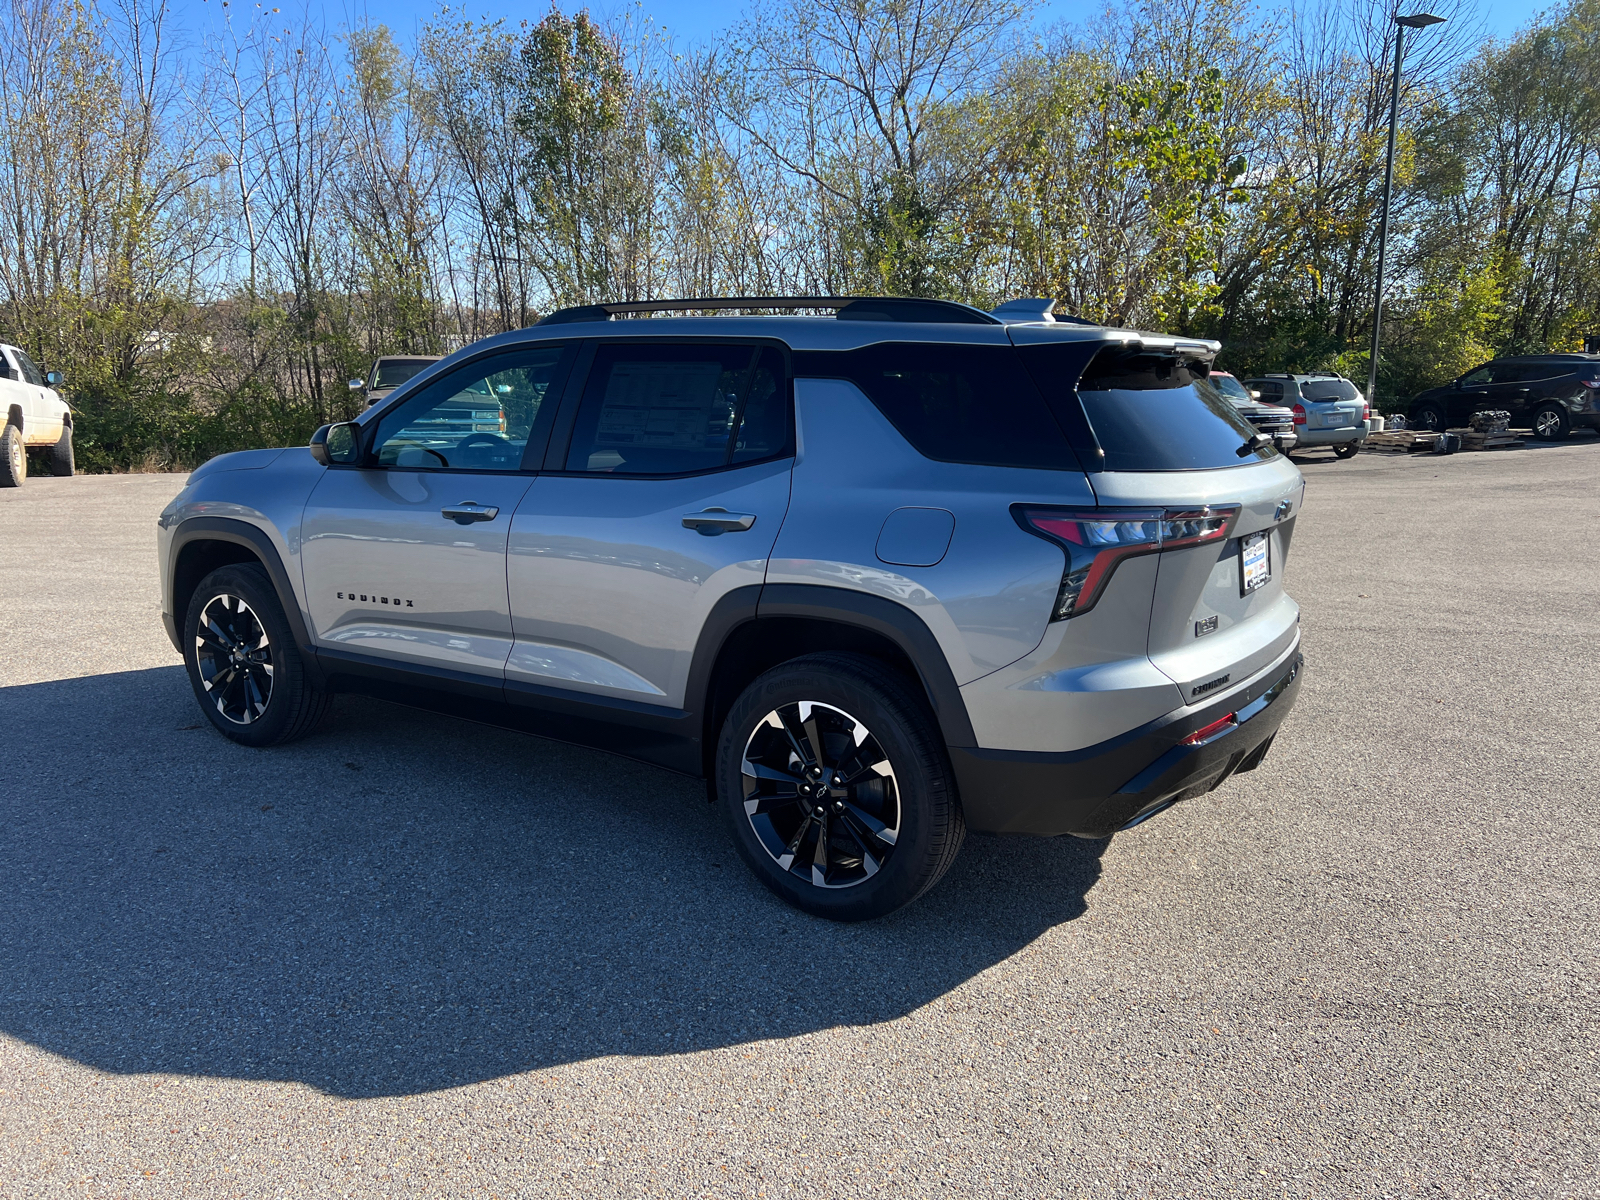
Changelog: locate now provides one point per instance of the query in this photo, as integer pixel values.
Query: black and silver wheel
(837, 787)
(1551, 423)
(243, 664)
(13, 457)
(61, 460)
(1347, 450)
(1428, 417)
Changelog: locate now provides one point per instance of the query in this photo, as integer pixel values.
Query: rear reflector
(1097, 539)
(1201, 736)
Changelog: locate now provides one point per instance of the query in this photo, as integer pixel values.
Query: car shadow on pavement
(405, 902)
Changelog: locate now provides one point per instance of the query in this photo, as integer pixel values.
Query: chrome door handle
(713, 521)
(467, 512)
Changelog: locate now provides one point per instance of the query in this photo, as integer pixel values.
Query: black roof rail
(846, 308)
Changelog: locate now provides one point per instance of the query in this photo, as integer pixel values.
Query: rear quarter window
(954, 403)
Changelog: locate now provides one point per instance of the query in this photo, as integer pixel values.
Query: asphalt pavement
(411, 956)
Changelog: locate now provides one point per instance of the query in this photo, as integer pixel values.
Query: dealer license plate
(1255, 561)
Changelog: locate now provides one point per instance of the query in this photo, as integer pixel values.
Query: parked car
(388, 372)
(1328, 410)
(882, 576)
(1273, 420)
(1549, 393)
(35, 417)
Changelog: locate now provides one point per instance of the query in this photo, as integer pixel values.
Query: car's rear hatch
(1182, 459)
(1332, 404)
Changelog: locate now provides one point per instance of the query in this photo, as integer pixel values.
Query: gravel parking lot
(411, 956)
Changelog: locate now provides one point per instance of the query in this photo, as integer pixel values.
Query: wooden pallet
(1471, 439)
(1402, 439)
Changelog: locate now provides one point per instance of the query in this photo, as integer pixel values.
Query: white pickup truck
(35, 415)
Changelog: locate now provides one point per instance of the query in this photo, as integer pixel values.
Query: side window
(1478, 378)
(478, 418)
(962, 404)
(30, 372)
(7, 370)
(1269, 390)
(674, 409)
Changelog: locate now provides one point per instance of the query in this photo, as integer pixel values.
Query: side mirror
(337, 445)
(1254, 395)
(53, 378)
(357, 384)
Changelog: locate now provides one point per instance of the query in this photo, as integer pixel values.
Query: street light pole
(1414, 21)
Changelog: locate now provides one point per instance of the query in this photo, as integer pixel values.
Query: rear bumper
(1103, 788)
(1331, 437)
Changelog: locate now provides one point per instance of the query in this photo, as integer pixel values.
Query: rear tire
(1348, 450)
(888, 828)
(13, 457)
(1551, 423)
(61, 460)
(1429, 418)
(244, 666)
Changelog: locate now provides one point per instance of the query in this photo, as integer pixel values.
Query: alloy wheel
(820, 794)
(234, 654)
(1546, 423)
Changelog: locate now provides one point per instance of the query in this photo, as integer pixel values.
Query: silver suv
(882, 576)
(1328, 410)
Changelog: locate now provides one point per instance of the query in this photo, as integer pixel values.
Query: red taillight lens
(1201, 736)
(1590, 383)
(1097, 539)
(1299, 414)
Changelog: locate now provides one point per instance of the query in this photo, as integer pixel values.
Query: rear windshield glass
(1328, 389)
(961, 404)
(1186, 425)
(393, 374)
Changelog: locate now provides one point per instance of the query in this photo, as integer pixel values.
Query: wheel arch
(756, 628)
(14, 417)
(200, 545)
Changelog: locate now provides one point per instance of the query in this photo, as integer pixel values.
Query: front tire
(13, 457)
(836, 787)
(244, 666)
(1551, 423)
(61, 460)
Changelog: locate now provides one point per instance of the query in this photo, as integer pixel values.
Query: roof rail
(846, 308)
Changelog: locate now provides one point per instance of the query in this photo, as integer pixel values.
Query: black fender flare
(895, 622)
(242, 533)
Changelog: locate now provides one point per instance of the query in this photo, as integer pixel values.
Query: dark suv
(1549, 393)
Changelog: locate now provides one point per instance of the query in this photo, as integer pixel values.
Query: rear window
(393, 374)
(1152, 414)
(1329, 389)
(960, 404)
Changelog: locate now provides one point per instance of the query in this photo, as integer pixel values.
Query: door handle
(714, 520)
(467, 512)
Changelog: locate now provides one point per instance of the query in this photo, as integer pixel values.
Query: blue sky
(689, 20)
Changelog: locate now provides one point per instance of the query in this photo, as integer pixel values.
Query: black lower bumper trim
(1103, 788)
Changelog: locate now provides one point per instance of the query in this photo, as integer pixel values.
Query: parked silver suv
(882, 576)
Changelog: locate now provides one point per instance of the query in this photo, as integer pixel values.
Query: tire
(13, 457)
(268, 701)
(1347, 450)
(61, 460)
(1429, 418)
(1551, 423)
(886, 837)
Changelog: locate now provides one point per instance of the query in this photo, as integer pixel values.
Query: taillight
(1299, 414)
(1366, 410)
(1590, 383)
(1097, 539)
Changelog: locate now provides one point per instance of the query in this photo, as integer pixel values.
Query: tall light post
(1414, 21)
